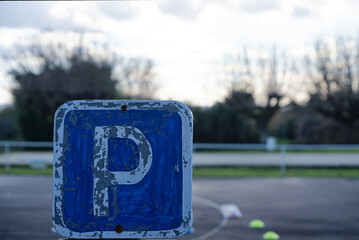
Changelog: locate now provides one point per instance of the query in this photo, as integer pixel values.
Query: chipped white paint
(102, 134)
(60, 149)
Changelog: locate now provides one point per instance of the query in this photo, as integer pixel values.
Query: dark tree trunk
(348, 133)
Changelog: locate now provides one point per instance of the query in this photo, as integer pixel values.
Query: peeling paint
(104, 178)
(62, 148)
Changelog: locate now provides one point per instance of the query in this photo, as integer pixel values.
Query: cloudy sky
(186, 39)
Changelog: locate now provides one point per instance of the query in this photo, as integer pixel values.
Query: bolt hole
(124, 107)
(119, 228)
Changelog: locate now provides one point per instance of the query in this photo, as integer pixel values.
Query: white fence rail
(256, 146)
(276, 155)
(281, 155)
(7, 145)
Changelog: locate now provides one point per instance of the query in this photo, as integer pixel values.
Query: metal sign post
(122, 169)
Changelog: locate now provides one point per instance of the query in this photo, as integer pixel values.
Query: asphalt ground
(295, 208)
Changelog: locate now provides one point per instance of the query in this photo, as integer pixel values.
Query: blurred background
(273, 86)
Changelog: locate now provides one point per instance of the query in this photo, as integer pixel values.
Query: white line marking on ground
(220, 225)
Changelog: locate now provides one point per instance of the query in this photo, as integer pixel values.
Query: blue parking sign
(122, 169)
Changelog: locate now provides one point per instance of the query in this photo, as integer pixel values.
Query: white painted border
(187, 133)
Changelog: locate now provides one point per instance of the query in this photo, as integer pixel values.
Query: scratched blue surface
(123, 154)
(152, 204)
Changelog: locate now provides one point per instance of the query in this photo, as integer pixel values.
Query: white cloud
(256, 6)
(34, 15)
(184, 9)
(301, 12)
(186, 38)
(118, 10)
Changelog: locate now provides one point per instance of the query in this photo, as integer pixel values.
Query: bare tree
(134, 76)
(238, 73)
(335, 83)
(138, 76)
(47, 74)
(244, 78)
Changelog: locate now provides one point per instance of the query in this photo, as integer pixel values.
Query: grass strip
(223, 172)
(26, 170)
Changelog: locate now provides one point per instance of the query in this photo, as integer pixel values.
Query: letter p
(103, 178)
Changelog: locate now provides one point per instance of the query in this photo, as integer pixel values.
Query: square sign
(122, 169)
